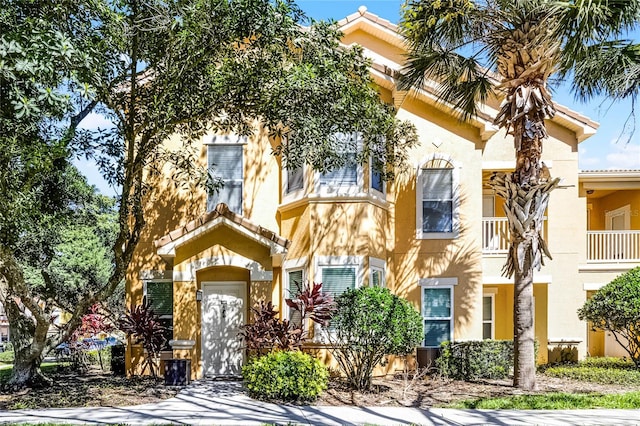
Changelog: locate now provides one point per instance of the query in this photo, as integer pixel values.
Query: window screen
(225, 161)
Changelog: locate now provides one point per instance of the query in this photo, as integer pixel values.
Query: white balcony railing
(495, 235)
(613, 246)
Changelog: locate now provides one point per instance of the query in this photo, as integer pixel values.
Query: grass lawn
(605, 371)
(554, 401)
(6, 369)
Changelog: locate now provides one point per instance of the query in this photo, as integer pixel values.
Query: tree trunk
(524, 363)
(28, 324)
(524, 206)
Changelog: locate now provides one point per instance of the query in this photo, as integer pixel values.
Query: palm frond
(461, 82)
(611, 68)
(582, 23)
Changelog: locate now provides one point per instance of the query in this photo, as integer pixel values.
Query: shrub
(473, 360)
(369, 324)
(7, 356)
(616, 308)
(285, 376)
(616, 371)
(143, 325)
(268, 332)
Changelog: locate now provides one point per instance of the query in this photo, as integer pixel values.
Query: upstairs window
(225, 163)
(346, 179)
(295, 180)
(376, 180)
(437, 201)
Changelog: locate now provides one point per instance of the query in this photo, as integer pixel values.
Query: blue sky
(610, 148)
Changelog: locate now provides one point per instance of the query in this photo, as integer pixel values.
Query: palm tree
(509, 49)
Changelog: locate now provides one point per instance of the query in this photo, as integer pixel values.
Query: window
(377, 267)
(488, 331)
(348, 178)
(376, 180)
(295, 180)
(437, 314)
(338, 274)
(437, 200)
(336, 279)
(295, 280)
(225, 162)
(160, 295)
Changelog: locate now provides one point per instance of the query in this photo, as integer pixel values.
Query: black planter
(177, 372)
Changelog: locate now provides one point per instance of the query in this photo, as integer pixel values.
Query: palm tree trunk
(524, 370)
(524, 206)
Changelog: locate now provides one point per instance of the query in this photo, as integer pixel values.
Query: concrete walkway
(225, 403)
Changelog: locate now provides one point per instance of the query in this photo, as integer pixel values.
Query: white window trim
(439, 282)
(296, 193)
(230, 139)
(342, 190)
(375, 192)
(222, 140)
(144, 293)
(380, 265)
(492, 295)
(292, 265)
(321, 262)
(455, 219)
(339, 261)
(624, 211)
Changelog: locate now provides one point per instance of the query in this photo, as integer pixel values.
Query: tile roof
(222, 210)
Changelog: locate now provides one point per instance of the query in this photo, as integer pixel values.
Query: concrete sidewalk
(225, 403)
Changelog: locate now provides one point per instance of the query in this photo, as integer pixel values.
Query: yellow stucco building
(435, 236)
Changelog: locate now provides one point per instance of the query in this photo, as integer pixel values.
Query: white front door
(223, 312)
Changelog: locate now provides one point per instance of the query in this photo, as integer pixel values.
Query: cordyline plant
(93, 323)
(268, 332)
(142, 325)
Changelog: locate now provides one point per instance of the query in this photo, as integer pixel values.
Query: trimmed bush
(483, 359)
(616, 308)
(285, 376)
(618, 371)
(369, 324)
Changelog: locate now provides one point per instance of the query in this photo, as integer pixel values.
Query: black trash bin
(117, 360)
(177, 372)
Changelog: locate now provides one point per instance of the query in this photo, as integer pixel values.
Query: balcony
(495, 235)
(613, 246)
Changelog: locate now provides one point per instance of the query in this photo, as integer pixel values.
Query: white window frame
(296, 193)
(144, 293)
(382, 194)
(455, 208)
(327, 190)
(439, 283)
(226, 140)
(322, 262)
(624, 211)
(291, 265)
(377, 265)
(491, 293)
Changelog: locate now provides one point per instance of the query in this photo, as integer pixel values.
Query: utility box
(177, 372)
(426, 357)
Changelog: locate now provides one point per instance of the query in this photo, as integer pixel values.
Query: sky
(614, 146)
